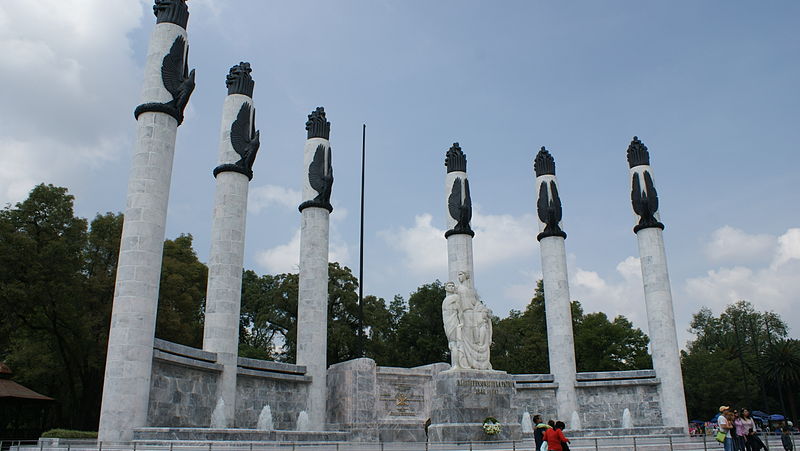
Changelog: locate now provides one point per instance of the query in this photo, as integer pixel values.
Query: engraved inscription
(402, 402)
(484, 387)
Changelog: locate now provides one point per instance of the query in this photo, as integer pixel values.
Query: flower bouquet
(491, 426)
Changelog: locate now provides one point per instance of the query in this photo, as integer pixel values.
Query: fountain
(627, 421)
(218, 416)
(302, 422)
(575, 422)
(265, 419)
(527, 425)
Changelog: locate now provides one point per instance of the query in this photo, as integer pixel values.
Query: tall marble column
(312, 305)
(459, 214)
(560, 342)
(657, 292)
(167, 87)
(239, 142)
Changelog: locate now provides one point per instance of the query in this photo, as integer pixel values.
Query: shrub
(67, 433)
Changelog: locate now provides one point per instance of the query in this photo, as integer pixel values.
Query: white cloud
(768, 287)
(625, 296)
(423, 246)
(285, 258)
(788, 247)
(64, 65)
(264, 196)
(732, 245)
(498, 239)
(24, 165)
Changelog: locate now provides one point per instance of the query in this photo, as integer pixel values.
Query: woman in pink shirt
(745, 428)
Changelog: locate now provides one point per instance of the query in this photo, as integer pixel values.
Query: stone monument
(168, 85)
(469, 392)
(560, 342)
(312, 303)
(468, 326)
(657, 291)
(239, 142)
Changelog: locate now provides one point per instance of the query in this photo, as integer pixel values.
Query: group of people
(741, 433)
(551, 433)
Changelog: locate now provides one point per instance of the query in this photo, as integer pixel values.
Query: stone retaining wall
(183, 389)
(602, 398)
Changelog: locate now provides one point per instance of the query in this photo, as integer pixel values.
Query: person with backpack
(538, 432)
(725, 422)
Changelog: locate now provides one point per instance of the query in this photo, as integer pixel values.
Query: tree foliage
(55, 276)
(603, 345)
(181, 294)
(420, 330)
(728, 359)
(520, 340)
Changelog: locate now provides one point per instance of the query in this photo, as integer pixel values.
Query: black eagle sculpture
(460, 210)
(645, 202)
(245, 138)
(549, 208)
(320, 177)
(245, 141)
(177, 80)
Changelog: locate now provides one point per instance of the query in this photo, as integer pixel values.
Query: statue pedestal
(464, 398)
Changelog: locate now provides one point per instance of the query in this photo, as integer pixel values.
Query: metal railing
(625, 443)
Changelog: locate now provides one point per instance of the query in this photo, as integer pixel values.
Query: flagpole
(361, 337)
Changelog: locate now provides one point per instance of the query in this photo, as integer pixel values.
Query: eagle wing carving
(241, 130)
(173, 68)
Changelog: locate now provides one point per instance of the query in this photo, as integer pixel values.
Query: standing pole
(657, 290)
(312, 300)
(167, 88)
(239, 143)
(560, 339)
(361, 350)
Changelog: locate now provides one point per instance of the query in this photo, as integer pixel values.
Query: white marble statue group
(467, 324)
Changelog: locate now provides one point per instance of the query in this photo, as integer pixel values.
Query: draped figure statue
(467, 324)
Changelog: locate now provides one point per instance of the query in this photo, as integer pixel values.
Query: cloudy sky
(710, 87)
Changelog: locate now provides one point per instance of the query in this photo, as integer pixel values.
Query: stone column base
(463, 399)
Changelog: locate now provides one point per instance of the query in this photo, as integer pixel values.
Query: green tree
(519, 342)
(268, 316)
(381, 336)
(420, 333)
(603, 345)
(708, 382)
(739, 336)
(181, 294)
(781, 364)
(54, 283)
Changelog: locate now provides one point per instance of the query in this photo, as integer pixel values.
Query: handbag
(721, 436)
(544, 446)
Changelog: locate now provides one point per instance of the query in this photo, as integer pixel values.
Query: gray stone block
(185, 351)
(463, 399)
(612, 375)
